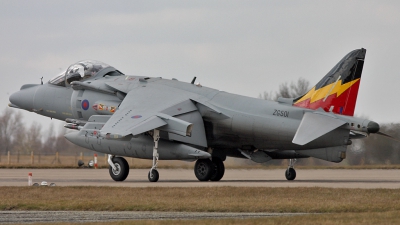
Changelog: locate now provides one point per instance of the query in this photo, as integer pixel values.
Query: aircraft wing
(314, 125)
(147, 108)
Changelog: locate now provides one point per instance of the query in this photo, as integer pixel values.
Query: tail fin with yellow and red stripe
(337, 91)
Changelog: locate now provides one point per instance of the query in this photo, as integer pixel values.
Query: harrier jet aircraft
(166, 119)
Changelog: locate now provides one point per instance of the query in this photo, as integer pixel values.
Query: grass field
(333, 206)
(212, 199)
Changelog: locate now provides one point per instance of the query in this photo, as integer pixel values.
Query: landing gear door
(198, 136)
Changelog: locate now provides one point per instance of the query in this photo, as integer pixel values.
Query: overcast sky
(242, 47)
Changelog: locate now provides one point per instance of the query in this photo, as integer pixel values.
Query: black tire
(219, 169)
(122, 169)
(153, 176)
(203, 169)
(290, 174)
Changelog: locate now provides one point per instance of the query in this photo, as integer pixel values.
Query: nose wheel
(290, 173)
(153, 175)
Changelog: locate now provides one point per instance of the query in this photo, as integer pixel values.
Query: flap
(313, 126)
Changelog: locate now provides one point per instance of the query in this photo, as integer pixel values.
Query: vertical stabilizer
(337, 91)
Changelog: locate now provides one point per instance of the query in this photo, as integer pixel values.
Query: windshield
(83, 70)
(79, 71)
(58, 80)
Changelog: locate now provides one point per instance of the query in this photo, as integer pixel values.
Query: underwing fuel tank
(140, 146)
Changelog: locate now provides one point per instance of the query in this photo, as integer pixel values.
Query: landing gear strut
(153, 173)
(119, 168)
(290, 173)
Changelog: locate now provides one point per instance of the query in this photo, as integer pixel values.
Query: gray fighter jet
(156, 118)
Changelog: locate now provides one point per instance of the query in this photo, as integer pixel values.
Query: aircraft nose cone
(372, 127)
(23, 98)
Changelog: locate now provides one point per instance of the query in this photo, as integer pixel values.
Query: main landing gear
(206, 170)
(290, 173)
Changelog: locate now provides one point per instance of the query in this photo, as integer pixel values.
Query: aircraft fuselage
(248, 122)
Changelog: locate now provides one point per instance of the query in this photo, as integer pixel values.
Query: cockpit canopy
(81, 71)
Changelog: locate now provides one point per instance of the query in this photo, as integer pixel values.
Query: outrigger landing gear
(153, 173)
(119, 168)
(290, 172)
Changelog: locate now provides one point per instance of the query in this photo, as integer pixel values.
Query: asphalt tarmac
(93, 216)
(335, 178)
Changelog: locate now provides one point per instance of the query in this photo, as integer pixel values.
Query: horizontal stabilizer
(313, 126)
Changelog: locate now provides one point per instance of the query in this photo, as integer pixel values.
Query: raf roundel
(136, 117)
(85, 104)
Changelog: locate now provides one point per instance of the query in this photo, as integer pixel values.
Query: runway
(104, 216)
(332, 178)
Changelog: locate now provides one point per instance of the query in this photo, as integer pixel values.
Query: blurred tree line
(374, 149)
(20, 139)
